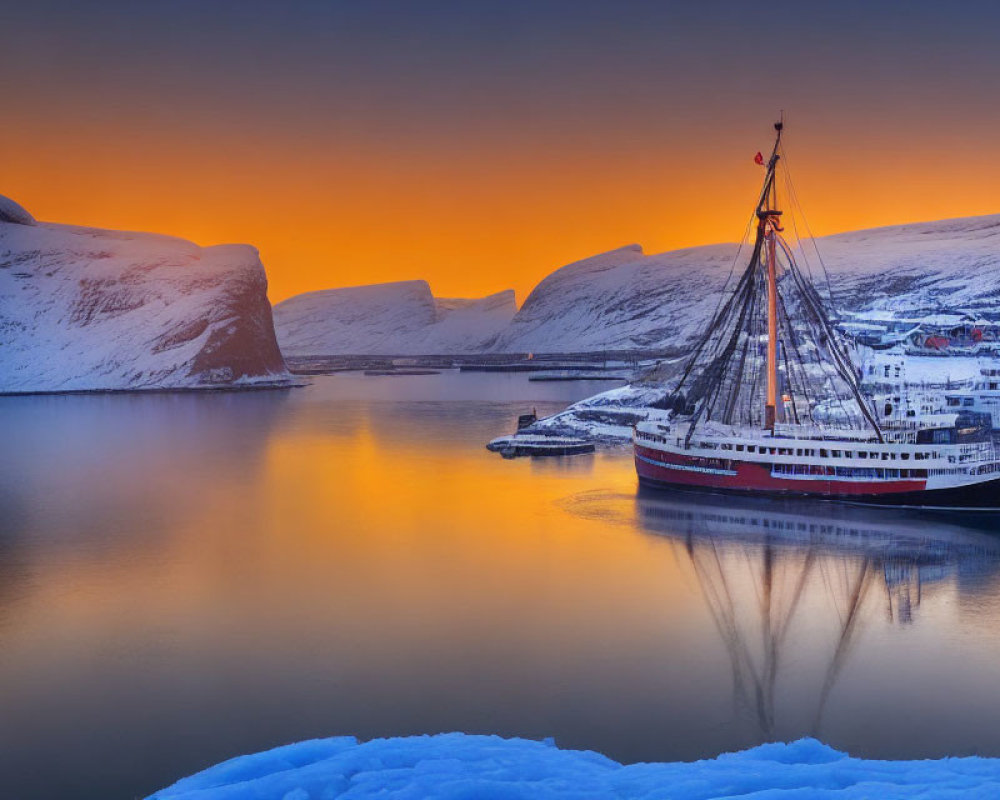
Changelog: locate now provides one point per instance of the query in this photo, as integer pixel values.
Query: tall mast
(770, 410)
(767, 231)
(728, 379)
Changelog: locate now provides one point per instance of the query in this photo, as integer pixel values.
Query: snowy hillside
(457, 766)
(401, 318)
(88, 309)
(625, 299)
(918, 267)
(628, 300)
(469, 323)
(950, 263)
(621, 300)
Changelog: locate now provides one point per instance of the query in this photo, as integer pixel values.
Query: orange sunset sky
(482, 145)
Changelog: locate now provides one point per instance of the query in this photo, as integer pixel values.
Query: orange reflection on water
(242, 571)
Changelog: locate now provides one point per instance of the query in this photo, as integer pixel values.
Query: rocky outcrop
(87, 309)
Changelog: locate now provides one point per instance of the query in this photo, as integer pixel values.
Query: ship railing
(815, 431)
(907, 423)
(899, 436)
(820, 431)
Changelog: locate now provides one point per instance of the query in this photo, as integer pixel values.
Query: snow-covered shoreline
(606, 418)
(455, 765)
(262, 384)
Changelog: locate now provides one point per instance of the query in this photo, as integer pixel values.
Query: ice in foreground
(457, 765)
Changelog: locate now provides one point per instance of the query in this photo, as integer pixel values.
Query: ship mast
(728, 378)
(767, 230)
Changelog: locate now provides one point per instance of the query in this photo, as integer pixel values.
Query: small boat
(537, 445)
(743, 410)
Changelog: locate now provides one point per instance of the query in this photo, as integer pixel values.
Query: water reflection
(119, 469)
(187, 578)
(577, 465)
(770, 571)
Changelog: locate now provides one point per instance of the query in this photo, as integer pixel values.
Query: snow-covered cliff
(87, 309)
(401, 318)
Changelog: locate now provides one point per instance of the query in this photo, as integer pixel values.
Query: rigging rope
(794, 199)
(722, 378)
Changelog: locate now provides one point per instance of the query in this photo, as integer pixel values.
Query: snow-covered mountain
(87, 309)
(469, 323)
(621, 300)
(401, 318)
(625, 299)
(925, 265)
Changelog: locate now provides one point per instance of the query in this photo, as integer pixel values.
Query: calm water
(187, 578)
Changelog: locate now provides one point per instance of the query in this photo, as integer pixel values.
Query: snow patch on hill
(401, 318)
(463, 766)
(86, 309)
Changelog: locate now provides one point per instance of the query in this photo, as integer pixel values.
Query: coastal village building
(940, 332)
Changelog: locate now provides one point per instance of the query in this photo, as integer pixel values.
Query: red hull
(666, 468)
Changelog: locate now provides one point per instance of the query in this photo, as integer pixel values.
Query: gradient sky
(480, 145)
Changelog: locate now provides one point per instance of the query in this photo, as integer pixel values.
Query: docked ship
(908, 386)
(742, 412)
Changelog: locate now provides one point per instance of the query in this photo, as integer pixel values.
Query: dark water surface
(184, 578)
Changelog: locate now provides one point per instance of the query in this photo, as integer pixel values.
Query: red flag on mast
(758, 159)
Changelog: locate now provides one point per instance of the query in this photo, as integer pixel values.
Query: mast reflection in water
(775, 575)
